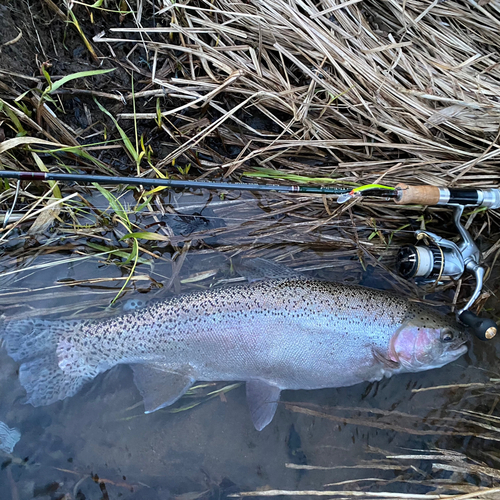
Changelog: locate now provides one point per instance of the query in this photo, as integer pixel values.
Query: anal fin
(159, 387)
(262, 401)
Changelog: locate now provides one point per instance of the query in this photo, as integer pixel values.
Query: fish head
(428, 340)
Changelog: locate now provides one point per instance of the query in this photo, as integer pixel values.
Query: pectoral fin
(382, 358)
(158, 387)
(262, 401)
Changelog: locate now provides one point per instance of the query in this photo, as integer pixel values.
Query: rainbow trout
(286, 333)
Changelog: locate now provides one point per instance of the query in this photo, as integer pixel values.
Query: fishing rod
(430, 260)
(172, 183)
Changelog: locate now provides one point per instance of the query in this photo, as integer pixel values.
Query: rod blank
(173, 183)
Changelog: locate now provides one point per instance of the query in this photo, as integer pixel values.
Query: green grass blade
(143, 204)
(53, 184)
(269, 173)
(138, 156)
(74, 76)
(115, 204)
(135, 251)
(146, 235)
(130, 148)
(119, 253)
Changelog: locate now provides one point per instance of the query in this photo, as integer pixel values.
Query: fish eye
(447, 336)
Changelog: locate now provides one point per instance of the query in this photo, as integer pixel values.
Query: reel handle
(482, 328)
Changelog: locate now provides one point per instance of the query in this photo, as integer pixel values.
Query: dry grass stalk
(480, 493)
(365, 94)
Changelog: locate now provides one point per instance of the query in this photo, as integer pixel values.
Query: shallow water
(100, 445)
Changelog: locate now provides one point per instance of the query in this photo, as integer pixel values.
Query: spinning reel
(434, 257)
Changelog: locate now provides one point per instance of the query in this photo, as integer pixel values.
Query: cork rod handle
(416, 195)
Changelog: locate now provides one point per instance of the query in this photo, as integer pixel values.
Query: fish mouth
(461, 342)
(457, 350)
(451, 354)
(462, 348)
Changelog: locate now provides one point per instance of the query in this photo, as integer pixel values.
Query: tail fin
(35, 344)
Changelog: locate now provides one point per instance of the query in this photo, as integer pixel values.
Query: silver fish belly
(274, 335)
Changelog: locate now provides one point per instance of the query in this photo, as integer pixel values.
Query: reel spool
(428, 262)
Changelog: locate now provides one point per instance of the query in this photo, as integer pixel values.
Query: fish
(276, 334)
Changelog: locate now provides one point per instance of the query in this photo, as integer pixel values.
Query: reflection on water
(99, 444)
